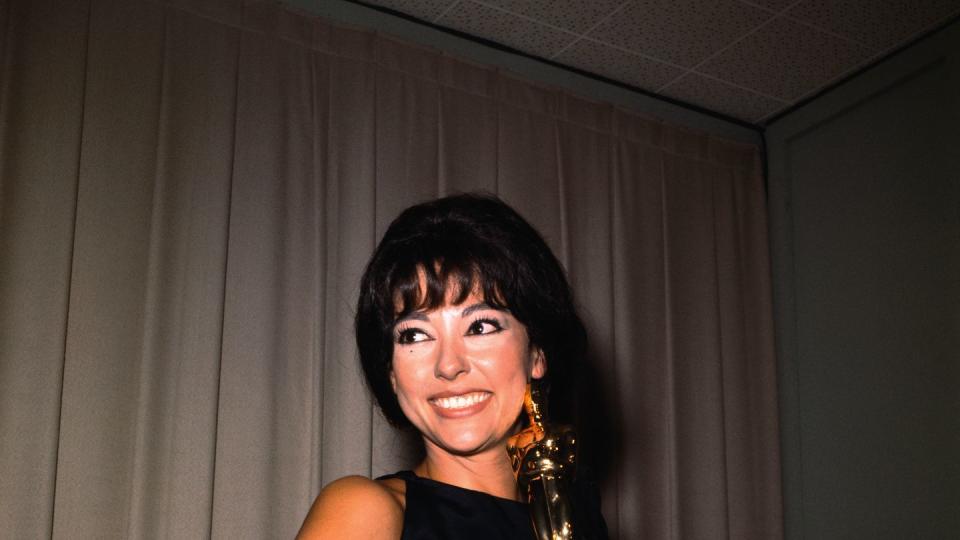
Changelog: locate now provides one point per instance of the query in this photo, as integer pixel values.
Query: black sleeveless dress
(438, 511)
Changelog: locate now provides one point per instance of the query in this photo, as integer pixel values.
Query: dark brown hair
(471, 242)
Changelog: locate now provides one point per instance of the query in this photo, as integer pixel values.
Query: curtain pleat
(528, 166)
(269, 346)
(40, 129)
(586, 157)
(468, 131)
(106, 318)
(644, 467)
(179, 371)
(188, 195)
(351, 192)
(696, 358)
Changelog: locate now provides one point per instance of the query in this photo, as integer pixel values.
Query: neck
(489, 471)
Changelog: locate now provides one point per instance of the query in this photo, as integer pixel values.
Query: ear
(393, 382)
(538, 366)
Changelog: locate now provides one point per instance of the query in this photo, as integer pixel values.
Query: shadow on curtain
(188, 194)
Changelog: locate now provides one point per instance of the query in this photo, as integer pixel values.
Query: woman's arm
(354, 507)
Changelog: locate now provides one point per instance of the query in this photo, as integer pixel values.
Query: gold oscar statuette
(543, 458)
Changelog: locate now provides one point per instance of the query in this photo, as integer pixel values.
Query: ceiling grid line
(583, 36)
(632, 52)
(828, 31)
(445, 11)
(723, 49)
(762, 7)
(735, 85)
(519, 16)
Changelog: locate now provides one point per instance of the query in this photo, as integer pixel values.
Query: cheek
(402, 388)
(407, 377)
(398, 379)
(509, 373)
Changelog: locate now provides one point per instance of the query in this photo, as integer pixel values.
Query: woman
(461, 305)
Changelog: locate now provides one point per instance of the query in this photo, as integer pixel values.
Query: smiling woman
(460, 376)
(461, 305)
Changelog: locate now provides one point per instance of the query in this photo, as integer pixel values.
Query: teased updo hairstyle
(470, 242)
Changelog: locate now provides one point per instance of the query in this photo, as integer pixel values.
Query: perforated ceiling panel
(747, 59)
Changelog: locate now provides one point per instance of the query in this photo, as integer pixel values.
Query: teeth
(459, 402)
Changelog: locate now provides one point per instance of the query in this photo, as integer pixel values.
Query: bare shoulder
(354, 507)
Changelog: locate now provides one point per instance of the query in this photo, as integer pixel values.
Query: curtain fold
(188, 195)
(40, 127)
(179, 365)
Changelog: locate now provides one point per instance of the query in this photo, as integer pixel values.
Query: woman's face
(460, 373)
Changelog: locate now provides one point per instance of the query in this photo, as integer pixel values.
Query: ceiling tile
(879, 23)
(723, 98)
(680, 31)
(786, 59)
(426, 10)
(505, 28)
(775, 5)
(615, 64)
(574, 15)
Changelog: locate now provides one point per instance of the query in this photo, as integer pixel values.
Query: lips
(451, 405)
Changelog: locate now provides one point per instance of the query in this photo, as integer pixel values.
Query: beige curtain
(188, 193)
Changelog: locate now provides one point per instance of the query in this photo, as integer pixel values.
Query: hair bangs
(427, 281)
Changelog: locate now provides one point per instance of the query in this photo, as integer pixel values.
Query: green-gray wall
(864, 187)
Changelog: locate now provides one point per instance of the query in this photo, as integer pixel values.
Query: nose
(452, 361)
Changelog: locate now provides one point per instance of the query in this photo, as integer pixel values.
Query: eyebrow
(467, 311)
(413, 315)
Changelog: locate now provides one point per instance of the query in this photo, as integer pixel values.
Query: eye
(482, 327)
(406, 336)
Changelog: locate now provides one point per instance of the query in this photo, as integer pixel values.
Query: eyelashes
(406, 334)
(484, 326)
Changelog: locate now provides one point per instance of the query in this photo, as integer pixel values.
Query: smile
(463, 401)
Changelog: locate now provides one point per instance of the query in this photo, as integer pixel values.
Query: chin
(465, 444)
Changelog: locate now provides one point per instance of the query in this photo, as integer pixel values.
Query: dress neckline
(410, 475)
